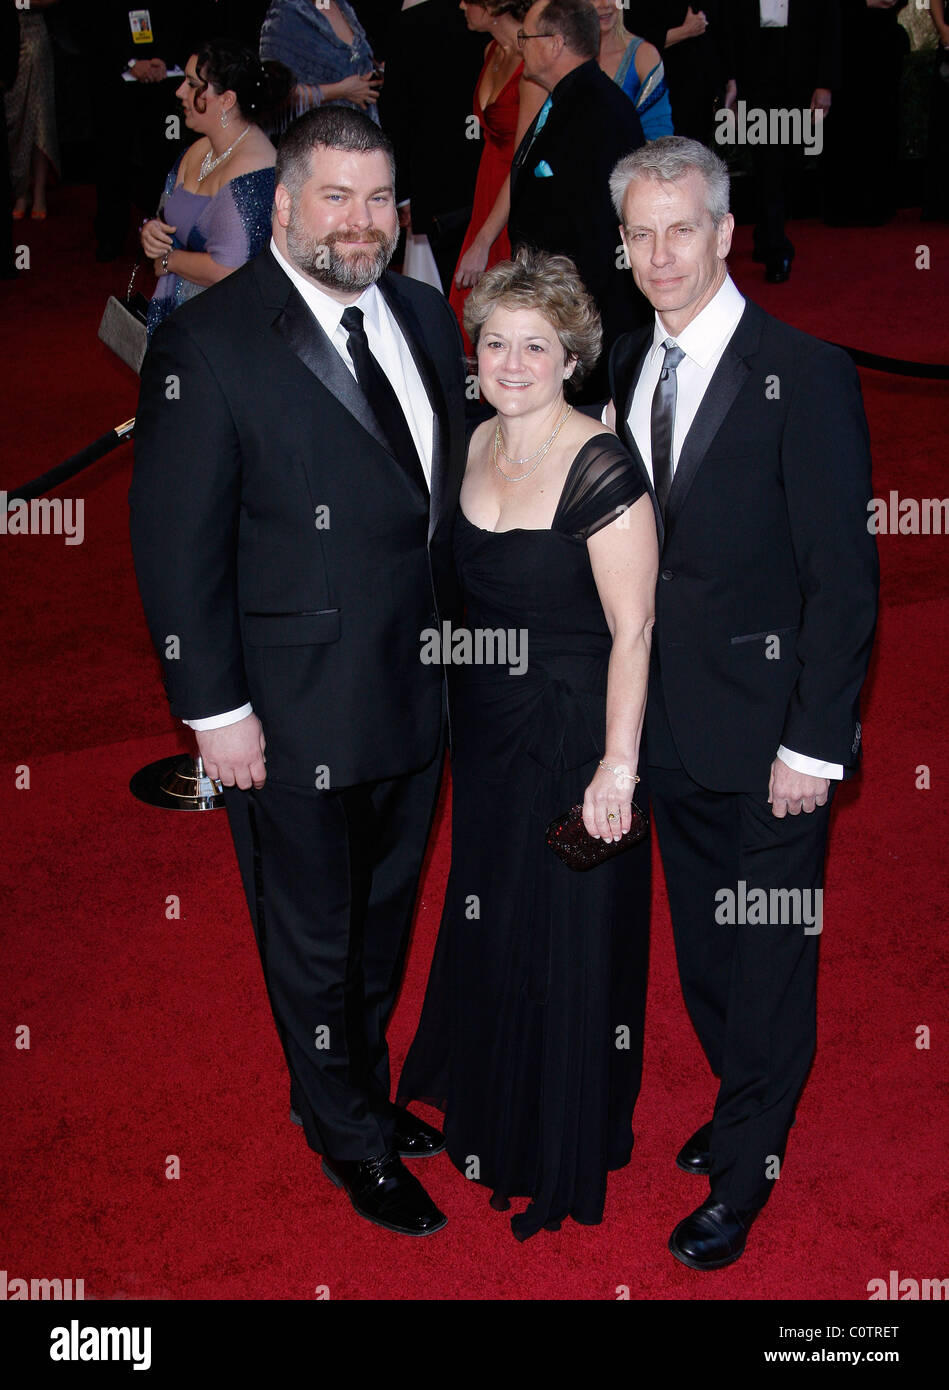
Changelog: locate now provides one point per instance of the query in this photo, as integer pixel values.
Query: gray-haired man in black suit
(754, 443)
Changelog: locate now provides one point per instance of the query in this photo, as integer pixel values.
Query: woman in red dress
(505, 103)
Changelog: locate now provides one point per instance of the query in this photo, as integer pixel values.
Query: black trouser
(750, 989)
(775, 165)
(330, 878)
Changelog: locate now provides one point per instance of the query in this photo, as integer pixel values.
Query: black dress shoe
(712, 1237)
(385, 1192)
(777, 270)
(413, 1137)
(695, 1156)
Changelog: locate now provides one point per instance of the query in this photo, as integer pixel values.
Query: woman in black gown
(530, 1038)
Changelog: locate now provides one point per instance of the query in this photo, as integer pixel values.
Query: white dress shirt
(774, 14)
(703, 341)
(394, 356)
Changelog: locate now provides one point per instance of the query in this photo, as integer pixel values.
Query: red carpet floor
(151, 1037)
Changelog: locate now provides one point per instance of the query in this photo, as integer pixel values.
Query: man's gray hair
(669, 158)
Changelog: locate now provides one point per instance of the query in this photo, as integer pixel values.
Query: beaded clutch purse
(123, 325)
(568, 838)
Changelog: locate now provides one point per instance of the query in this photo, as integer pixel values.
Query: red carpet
(150, 1036)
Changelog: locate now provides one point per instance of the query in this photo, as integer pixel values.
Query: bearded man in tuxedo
(753, 441)
(291, 509)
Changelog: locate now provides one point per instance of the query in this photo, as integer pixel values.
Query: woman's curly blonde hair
(550, 285)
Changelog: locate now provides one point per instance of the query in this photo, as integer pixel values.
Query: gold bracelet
(617, 772)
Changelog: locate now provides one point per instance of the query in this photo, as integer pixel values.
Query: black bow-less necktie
(383, 401)
(662, 423)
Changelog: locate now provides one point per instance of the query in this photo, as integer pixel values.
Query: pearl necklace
(208, 164)
(543, 451)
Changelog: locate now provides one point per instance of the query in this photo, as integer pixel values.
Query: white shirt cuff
(220, 721)
(812, 767)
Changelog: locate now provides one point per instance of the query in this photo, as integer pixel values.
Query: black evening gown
(530, 1037)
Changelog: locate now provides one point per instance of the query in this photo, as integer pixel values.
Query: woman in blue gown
(635, 65)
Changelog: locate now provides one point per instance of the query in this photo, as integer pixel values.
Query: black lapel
(565, 98)
(523, 149)
(304, 336)
(636, 364)
(528, 153)
(403, 311)
(729, 377)
(627, 375)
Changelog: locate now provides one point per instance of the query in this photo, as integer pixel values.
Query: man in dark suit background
(753, 439)
(303, 423)
(560, 173)
(432, 66)
(135, 54)
(785, 55)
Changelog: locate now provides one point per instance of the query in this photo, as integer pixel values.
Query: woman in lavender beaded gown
(216, 207)
(530, 1038)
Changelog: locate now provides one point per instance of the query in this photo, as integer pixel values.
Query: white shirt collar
(327, 310)
(708, 332)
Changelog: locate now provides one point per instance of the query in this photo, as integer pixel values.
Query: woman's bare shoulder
(588, 427)
(480, 441)
(256, 152)
(191, 159)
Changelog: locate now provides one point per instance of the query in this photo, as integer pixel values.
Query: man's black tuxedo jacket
(280, 541)
(765, 535)
(813, 46)
(591, 125)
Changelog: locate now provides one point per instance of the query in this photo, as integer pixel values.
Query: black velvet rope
(71, 466)
(896, 366)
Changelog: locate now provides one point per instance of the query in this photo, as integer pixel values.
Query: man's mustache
(370, 234)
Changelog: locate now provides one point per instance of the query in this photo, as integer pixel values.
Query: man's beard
(319, 258)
